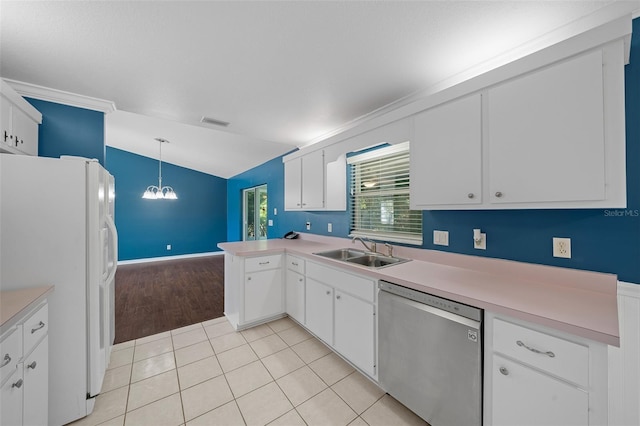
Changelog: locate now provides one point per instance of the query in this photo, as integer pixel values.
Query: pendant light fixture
(160, 192)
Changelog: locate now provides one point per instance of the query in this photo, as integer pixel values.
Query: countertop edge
(593, 297)
(15, 303)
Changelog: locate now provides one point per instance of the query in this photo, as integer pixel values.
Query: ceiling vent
(209, 120)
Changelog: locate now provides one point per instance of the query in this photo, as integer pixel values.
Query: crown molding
(61, 97)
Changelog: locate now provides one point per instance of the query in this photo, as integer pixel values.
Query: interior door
(254, 208)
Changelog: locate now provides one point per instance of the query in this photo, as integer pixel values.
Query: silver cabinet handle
(38, 327)
(534, 350)
(6, 360)
(32, 365)
(470, 195)
(263, 263)
(17, 384)
(504, 371)
(498, 194)
(294, 263)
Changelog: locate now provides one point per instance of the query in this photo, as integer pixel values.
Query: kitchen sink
(342, 254)
(360, 257)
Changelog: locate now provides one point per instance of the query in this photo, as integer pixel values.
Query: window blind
(379, 196)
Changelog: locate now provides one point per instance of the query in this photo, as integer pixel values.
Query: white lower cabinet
(355, 331)
(320, 310)
(254, 289)
(24, 399)
(295, 289)
(341, 311)
(11, 400)
(525, 396)
(538, 376)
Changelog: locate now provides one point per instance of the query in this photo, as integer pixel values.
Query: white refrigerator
(57, 228)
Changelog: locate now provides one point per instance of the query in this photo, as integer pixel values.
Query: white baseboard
(163, 258)
(624, 362)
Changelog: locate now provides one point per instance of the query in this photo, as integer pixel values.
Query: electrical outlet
(441, 238)
(562, 247)
(482, 244)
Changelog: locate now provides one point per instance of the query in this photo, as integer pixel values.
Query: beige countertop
(15, 302)
(578, 302)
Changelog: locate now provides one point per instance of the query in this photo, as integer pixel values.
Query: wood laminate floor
(155, 297)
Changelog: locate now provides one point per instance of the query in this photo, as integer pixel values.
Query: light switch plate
(441, 238)
(270, 222)
(329, 227)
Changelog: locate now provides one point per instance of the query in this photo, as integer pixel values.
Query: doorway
(254, 213)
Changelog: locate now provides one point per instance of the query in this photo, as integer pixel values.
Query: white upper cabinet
(546, 134)
(552, 137)
(312, 182)
(446, 161)
(19, 122)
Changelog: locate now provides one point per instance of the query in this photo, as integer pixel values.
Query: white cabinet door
(319, 312)
(546, 134)
(6, 139)
(295, 295)
(233, 281)
(523, 396)
(446, 160)
(313, 180)
(11, 399)
(263, 294)
(25, 132)
(36, 385)
(355, 331)
(293, 184)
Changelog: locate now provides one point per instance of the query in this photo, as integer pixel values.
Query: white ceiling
(282, 73)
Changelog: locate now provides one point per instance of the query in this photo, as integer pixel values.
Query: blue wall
(67, 130)
(601, 240)
(271, 173)
(194, 223)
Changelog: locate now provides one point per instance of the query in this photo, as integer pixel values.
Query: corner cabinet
(549, 138)
(24, 370)
(539, 376)
(19, 122)
(312, 182)
(254, 290)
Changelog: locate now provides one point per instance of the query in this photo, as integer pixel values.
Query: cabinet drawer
(252, 264)
(35, 328)
(560, 357)
(10, 352)
(357, 286)
(295, 264)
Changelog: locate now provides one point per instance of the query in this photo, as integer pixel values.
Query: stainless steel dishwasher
(430, 355)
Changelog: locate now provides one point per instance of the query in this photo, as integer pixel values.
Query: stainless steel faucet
(389, 249)
(373, 243)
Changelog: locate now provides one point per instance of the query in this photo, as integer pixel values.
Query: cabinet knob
(328, 292)
(300, 279)
(17, 384)
(32, 365)
(470, 195)
(248, 278)
(498, 194)
(6, 360)
(504, 371)
(338, 297)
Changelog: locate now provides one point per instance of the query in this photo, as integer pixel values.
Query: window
(379, 196)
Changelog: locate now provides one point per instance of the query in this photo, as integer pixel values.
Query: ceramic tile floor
(209, 374)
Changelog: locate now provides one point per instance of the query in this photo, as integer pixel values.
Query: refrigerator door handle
(114, 247)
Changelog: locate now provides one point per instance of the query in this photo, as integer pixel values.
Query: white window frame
(358, 191)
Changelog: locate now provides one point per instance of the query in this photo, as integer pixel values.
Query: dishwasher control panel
(454, 307)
